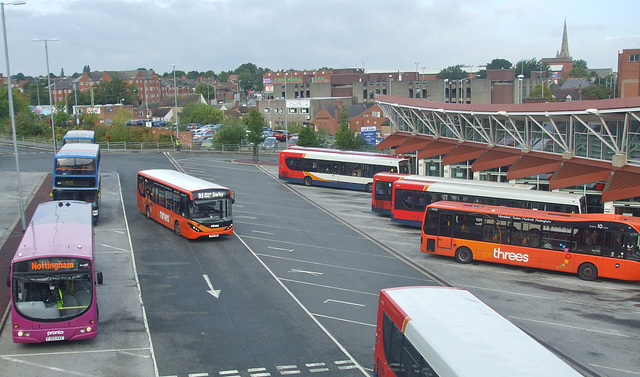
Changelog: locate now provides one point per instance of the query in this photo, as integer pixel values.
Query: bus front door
(444, 233)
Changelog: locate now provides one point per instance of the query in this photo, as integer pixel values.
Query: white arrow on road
(213, 292)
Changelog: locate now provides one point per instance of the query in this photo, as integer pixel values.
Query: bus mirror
(99, 277)
(233, 197)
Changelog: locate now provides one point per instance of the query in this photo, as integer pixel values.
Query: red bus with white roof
(53, 277)
(192, 207)
(448, 332)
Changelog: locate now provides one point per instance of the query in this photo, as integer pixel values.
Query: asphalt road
(298, 287)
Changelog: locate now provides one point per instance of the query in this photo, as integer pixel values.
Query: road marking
(198, 374)
(228, 372)
(314, 273)
(342, 302)
(261, 232)
(213, 292)
(344, 320)
(280, 248)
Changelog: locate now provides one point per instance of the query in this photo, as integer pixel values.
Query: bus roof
(370, 158)
(531, 213)
(461, 336)
(79, 134)
(475, 182)
(177, 179)
(78, 150)
(338, 151)
(509, 192)
(58, 228)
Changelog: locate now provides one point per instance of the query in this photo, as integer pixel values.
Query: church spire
(564, 50)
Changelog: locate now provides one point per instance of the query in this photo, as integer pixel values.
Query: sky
(377, 35)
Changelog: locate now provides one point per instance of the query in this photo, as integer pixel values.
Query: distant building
(629, 73)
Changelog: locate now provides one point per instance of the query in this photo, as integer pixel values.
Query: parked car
(292, 141)
(270, 143)
(280, 135)
(194, 126)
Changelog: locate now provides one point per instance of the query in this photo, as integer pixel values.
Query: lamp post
(46, 51)
(175, 97)
(444, 90)
(520, 88)
(75, 89)
(286, 111)
(11, 115)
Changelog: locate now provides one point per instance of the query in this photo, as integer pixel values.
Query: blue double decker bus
(76, 174)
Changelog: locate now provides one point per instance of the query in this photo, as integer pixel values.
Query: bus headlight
(20, 333)
(194, 227)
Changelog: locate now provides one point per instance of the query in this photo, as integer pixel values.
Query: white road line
(281, 249)
(53, 369)
(314, 273)
(575, 328)
(342, 302)
(344, 320)
(375, 294)
(228, 372)
(261, 232)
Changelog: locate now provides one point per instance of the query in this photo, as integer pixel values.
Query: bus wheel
(148, 213)
(176, 228)
(587, 271)
(369, 187)
(464, 255)
(308, 181)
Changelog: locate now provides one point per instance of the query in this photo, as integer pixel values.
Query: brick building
(629, 73)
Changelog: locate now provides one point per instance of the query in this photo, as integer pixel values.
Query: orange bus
(590, 245)
(192, 207)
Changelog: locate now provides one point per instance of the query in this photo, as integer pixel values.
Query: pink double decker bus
(53, 278)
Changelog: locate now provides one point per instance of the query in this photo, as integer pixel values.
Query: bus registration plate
(214, 235)
(54, 338)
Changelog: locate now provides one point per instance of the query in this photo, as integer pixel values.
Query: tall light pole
(521, 86)
(175, 97)
(46, 51)
(75, 89)
(11, 115)
(286, 111)
(444, 90)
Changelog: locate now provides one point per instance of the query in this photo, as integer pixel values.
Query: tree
(579, 72)
(499, 64)
(453, 73)
(206, 90)
(542, 91)
(116, 91)
(345, 138)
(200, 113)
(525, 67)
(597, 91)
(231, 133)
(308, 137)
(254, 121)
(579, 63)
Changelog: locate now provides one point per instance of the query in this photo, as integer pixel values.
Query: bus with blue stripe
(76, 175)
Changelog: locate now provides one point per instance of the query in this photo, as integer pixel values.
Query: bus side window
(446, 225)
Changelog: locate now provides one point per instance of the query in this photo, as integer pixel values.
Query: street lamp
(444, 90)
(11, 115)
(521, 85)
(46, 51)
(175, 96)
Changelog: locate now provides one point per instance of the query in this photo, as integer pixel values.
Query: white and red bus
(411, 196)
(335, 168)
(53, 277)
(192, 207)
(382, 198)
(590, 245)
(448, 332)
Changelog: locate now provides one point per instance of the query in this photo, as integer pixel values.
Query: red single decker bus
(335, 168)
(53, 290)
(448, 332)
(192, 207)
(590, 245)
(383, 190)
